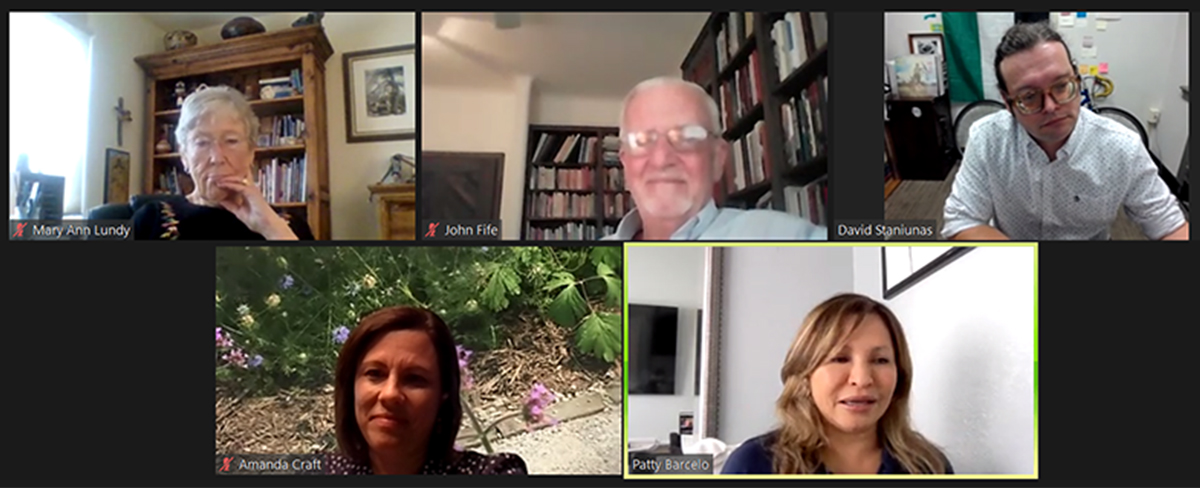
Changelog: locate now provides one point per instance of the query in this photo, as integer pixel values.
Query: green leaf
(494, 295)
(600, 335)
(558, 280)
(567, 307)
(607, 255)
(613, 289)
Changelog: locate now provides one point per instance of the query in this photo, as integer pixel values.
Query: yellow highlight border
(625, 366)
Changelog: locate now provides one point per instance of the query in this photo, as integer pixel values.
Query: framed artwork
(116, 176)
(929, 43)
(381, 94)
(905, 266)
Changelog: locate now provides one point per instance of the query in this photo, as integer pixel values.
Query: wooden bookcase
(768, 72)
(574, 183)
(292, 157)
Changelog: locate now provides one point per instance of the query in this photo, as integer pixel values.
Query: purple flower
(464, 358)
(256, 361)
(235, 357)
(535, 405)
(286, 282)
(340, 334)
(223, 340)
(459, 447)
(464, 355)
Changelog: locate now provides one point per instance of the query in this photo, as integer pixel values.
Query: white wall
(483, 120)
(352, 167)
(767, 293)
(970, 330)
(561, 109)
(670, 276)
(116, 39)
(1147, 61)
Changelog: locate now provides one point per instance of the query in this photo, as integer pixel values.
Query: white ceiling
(596, 54)
(170, 21)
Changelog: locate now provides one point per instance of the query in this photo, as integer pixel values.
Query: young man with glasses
(1047, 169)
(673, 154)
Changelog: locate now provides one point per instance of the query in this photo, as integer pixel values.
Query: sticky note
(935, 27)
(1095, 70)
(1083, 69)
(1089, 52)
(1088, 42)
(1103, 68)
(1082, 15)
(1101, 24)
(1066, 20)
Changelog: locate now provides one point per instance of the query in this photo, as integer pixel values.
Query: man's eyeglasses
(1033, 101)
(685, 138)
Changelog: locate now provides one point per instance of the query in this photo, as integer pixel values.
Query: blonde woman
(844, 406)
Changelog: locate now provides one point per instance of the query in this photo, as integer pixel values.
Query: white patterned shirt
(1007, 181)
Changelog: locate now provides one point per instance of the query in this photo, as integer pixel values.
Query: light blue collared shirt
(713, 223)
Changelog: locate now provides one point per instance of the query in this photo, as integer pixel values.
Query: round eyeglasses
(685, 138)
(1030, 102)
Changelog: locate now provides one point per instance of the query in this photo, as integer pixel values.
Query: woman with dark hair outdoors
(397, 401)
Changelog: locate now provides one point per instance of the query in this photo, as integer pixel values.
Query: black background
(109, 382)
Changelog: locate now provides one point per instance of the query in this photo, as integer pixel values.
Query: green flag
(964, 61)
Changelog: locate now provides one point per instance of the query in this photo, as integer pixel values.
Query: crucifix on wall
(122, 117)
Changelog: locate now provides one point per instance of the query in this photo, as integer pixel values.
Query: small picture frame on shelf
(381, 94)
(927, 43)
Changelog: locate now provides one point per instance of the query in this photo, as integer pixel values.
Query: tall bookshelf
(574, 183)
(291, 157)
(768, 72)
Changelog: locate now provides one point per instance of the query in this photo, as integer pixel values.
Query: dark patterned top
(178, 219)
(466, 462)
(754, 457)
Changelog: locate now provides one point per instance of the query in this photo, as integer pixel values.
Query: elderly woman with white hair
(216, 143)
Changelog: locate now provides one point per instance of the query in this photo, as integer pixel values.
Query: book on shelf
(281, 130)
(740, 95)
(804, 125)
(283, 180)
(749, 160)
(616, 205)
(791, 47)
(610, 149)
(168, 181)
(733, 35)
(571, 231)
(562, 205)
(565, 148)
(820, 28)
(807, 201)
(552, 178)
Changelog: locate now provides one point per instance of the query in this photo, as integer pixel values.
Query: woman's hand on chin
(254, 211)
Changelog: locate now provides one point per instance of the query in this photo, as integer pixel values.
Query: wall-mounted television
(652, 354)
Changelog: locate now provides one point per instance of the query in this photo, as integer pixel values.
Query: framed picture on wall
(905, 266)
(381, 94)
(927, 43)
(116, 176)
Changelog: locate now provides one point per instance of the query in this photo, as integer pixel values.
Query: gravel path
(590, 445)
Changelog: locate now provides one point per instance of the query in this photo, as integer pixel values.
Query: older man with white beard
(673, 154)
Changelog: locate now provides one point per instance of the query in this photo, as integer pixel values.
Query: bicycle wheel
(1126, 119)
(969, 115)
